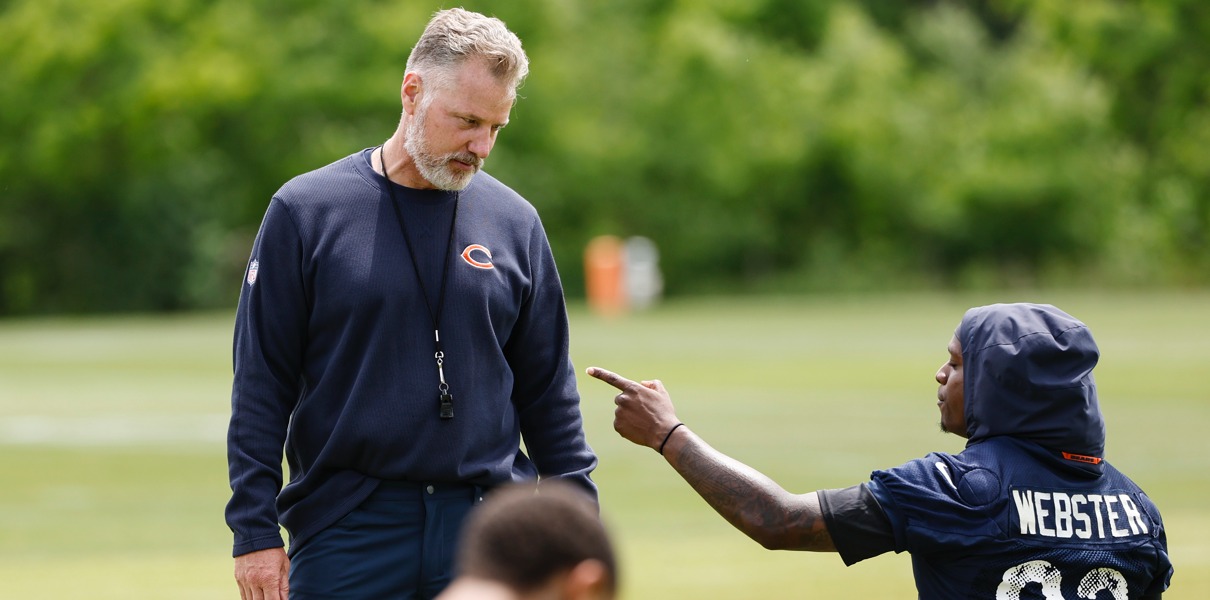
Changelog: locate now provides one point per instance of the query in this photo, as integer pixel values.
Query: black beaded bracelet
(665, 442)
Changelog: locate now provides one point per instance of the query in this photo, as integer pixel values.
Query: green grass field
(113, 472)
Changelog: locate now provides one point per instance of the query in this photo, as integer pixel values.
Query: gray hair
(454, 36)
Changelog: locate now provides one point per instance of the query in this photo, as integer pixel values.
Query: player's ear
(588, 580)
(409, 91)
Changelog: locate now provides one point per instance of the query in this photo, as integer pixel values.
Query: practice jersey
(1001, 521)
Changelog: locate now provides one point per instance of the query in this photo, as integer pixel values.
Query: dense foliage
(764, 144)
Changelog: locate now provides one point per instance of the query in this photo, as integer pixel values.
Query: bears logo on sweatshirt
(478, 264)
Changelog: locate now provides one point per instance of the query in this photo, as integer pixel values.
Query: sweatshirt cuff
(259, 543)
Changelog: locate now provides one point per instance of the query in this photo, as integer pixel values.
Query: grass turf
(111, 432)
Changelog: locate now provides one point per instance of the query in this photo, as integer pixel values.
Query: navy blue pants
(398, 545)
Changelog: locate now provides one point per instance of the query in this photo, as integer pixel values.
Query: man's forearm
(750, 501)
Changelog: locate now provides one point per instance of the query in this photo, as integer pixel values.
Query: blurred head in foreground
(522, 544)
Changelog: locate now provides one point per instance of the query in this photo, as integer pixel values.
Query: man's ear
(409, 92)
(588, 580)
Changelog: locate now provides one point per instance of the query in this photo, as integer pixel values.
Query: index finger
(611, 378)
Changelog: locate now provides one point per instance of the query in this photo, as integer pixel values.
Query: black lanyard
(446, 399)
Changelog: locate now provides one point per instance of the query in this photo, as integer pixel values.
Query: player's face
(949, 396)
(451, 134)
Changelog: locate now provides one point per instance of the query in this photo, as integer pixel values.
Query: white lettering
(1025, 511)
(1095, 499)
(1064, 515)
(1113, 518)
(1039, 498)
(1133, 516)
(1078, 501)
(1063, 525)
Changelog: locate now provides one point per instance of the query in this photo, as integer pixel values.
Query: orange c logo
(466, 255)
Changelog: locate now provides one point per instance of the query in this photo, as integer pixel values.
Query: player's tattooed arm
(749, 500)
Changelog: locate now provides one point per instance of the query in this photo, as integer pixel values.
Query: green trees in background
(777, 144)
(143, 138)
(1154, 58)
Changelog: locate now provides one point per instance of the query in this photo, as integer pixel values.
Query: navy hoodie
(334, 351)
(1029, 508)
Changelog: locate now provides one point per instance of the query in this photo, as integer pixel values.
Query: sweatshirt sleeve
(544, 393)
(270, 330)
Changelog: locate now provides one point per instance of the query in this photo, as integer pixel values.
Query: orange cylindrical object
(604, 275)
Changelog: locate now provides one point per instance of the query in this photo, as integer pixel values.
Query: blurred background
(765, 145)
(827, 184)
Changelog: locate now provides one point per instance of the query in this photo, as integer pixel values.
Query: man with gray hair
(401, 328)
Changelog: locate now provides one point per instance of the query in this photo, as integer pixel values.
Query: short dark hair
(522, 536)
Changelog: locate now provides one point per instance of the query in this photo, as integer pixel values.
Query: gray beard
(433, 167)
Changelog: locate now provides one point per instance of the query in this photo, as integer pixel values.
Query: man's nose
(481, 145)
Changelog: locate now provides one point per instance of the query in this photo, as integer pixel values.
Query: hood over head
(1027, 370)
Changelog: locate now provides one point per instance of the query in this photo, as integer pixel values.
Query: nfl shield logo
(252, 269)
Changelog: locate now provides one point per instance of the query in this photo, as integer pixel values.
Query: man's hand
(644, 413)
(263, 575)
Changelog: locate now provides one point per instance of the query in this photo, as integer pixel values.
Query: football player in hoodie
(1030, 508)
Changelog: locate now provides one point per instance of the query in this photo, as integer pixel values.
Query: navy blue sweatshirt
(334, 351)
